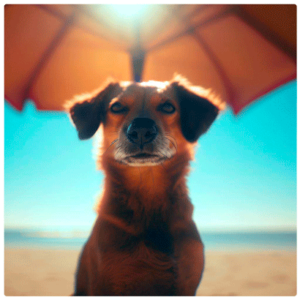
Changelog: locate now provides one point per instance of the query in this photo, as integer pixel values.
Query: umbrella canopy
(241, 52)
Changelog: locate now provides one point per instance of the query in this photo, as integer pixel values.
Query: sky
(243, 177)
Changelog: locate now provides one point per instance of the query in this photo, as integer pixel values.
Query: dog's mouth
(144, 159)
(143, 156)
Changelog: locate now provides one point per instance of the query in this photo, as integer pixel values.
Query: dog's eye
(167, 108)
(118, 108)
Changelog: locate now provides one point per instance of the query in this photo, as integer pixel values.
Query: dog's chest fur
(142, 264)
(135, 256)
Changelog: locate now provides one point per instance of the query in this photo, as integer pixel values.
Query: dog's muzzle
(143, 144)
(142, 131)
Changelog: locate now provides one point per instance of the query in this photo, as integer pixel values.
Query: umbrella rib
(47, 54)
(52, 11)
(85, 28)
(163, 22)
(81, 10)
(201, 8)
(191, 28)
(265, 31)
(174, 9)
(213, 59)
(226, 81)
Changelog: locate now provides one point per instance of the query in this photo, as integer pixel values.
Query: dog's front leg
(82, 274)
(88, 281)
(189, 252)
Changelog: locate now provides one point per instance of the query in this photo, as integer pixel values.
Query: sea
(213, 241)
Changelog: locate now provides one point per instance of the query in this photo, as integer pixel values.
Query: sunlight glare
(129, 10)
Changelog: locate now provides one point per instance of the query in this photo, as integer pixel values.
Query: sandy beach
(35, 272)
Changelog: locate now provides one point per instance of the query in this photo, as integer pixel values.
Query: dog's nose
(142, 131)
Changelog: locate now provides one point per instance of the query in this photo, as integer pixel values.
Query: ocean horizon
(213, 241)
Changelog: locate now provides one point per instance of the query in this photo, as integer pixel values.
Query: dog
(144, 241)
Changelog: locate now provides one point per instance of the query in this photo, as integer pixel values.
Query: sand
(51, 273)
(249, 274)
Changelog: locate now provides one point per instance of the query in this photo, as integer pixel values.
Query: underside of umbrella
(240, 52)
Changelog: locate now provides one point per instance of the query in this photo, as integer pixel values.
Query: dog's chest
(140, 271)
(158, 237)
(140, 264)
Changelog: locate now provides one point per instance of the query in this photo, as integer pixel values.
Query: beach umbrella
(240, 52)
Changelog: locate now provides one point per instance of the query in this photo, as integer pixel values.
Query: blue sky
(243, 178)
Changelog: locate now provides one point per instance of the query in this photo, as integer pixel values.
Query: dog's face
(144, 124)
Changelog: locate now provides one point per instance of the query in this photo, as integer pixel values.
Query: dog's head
(143, 124)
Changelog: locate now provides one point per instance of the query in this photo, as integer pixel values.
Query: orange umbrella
(241, 52)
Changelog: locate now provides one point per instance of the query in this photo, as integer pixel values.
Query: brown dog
(144, 241)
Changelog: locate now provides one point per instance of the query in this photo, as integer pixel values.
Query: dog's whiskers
(172, 141)
(112, 143)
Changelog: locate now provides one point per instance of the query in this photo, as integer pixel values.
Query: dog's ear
(197, 113)
(88, 111)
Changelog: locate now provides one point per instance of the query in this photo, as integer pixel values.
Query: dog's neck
(144, 191)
